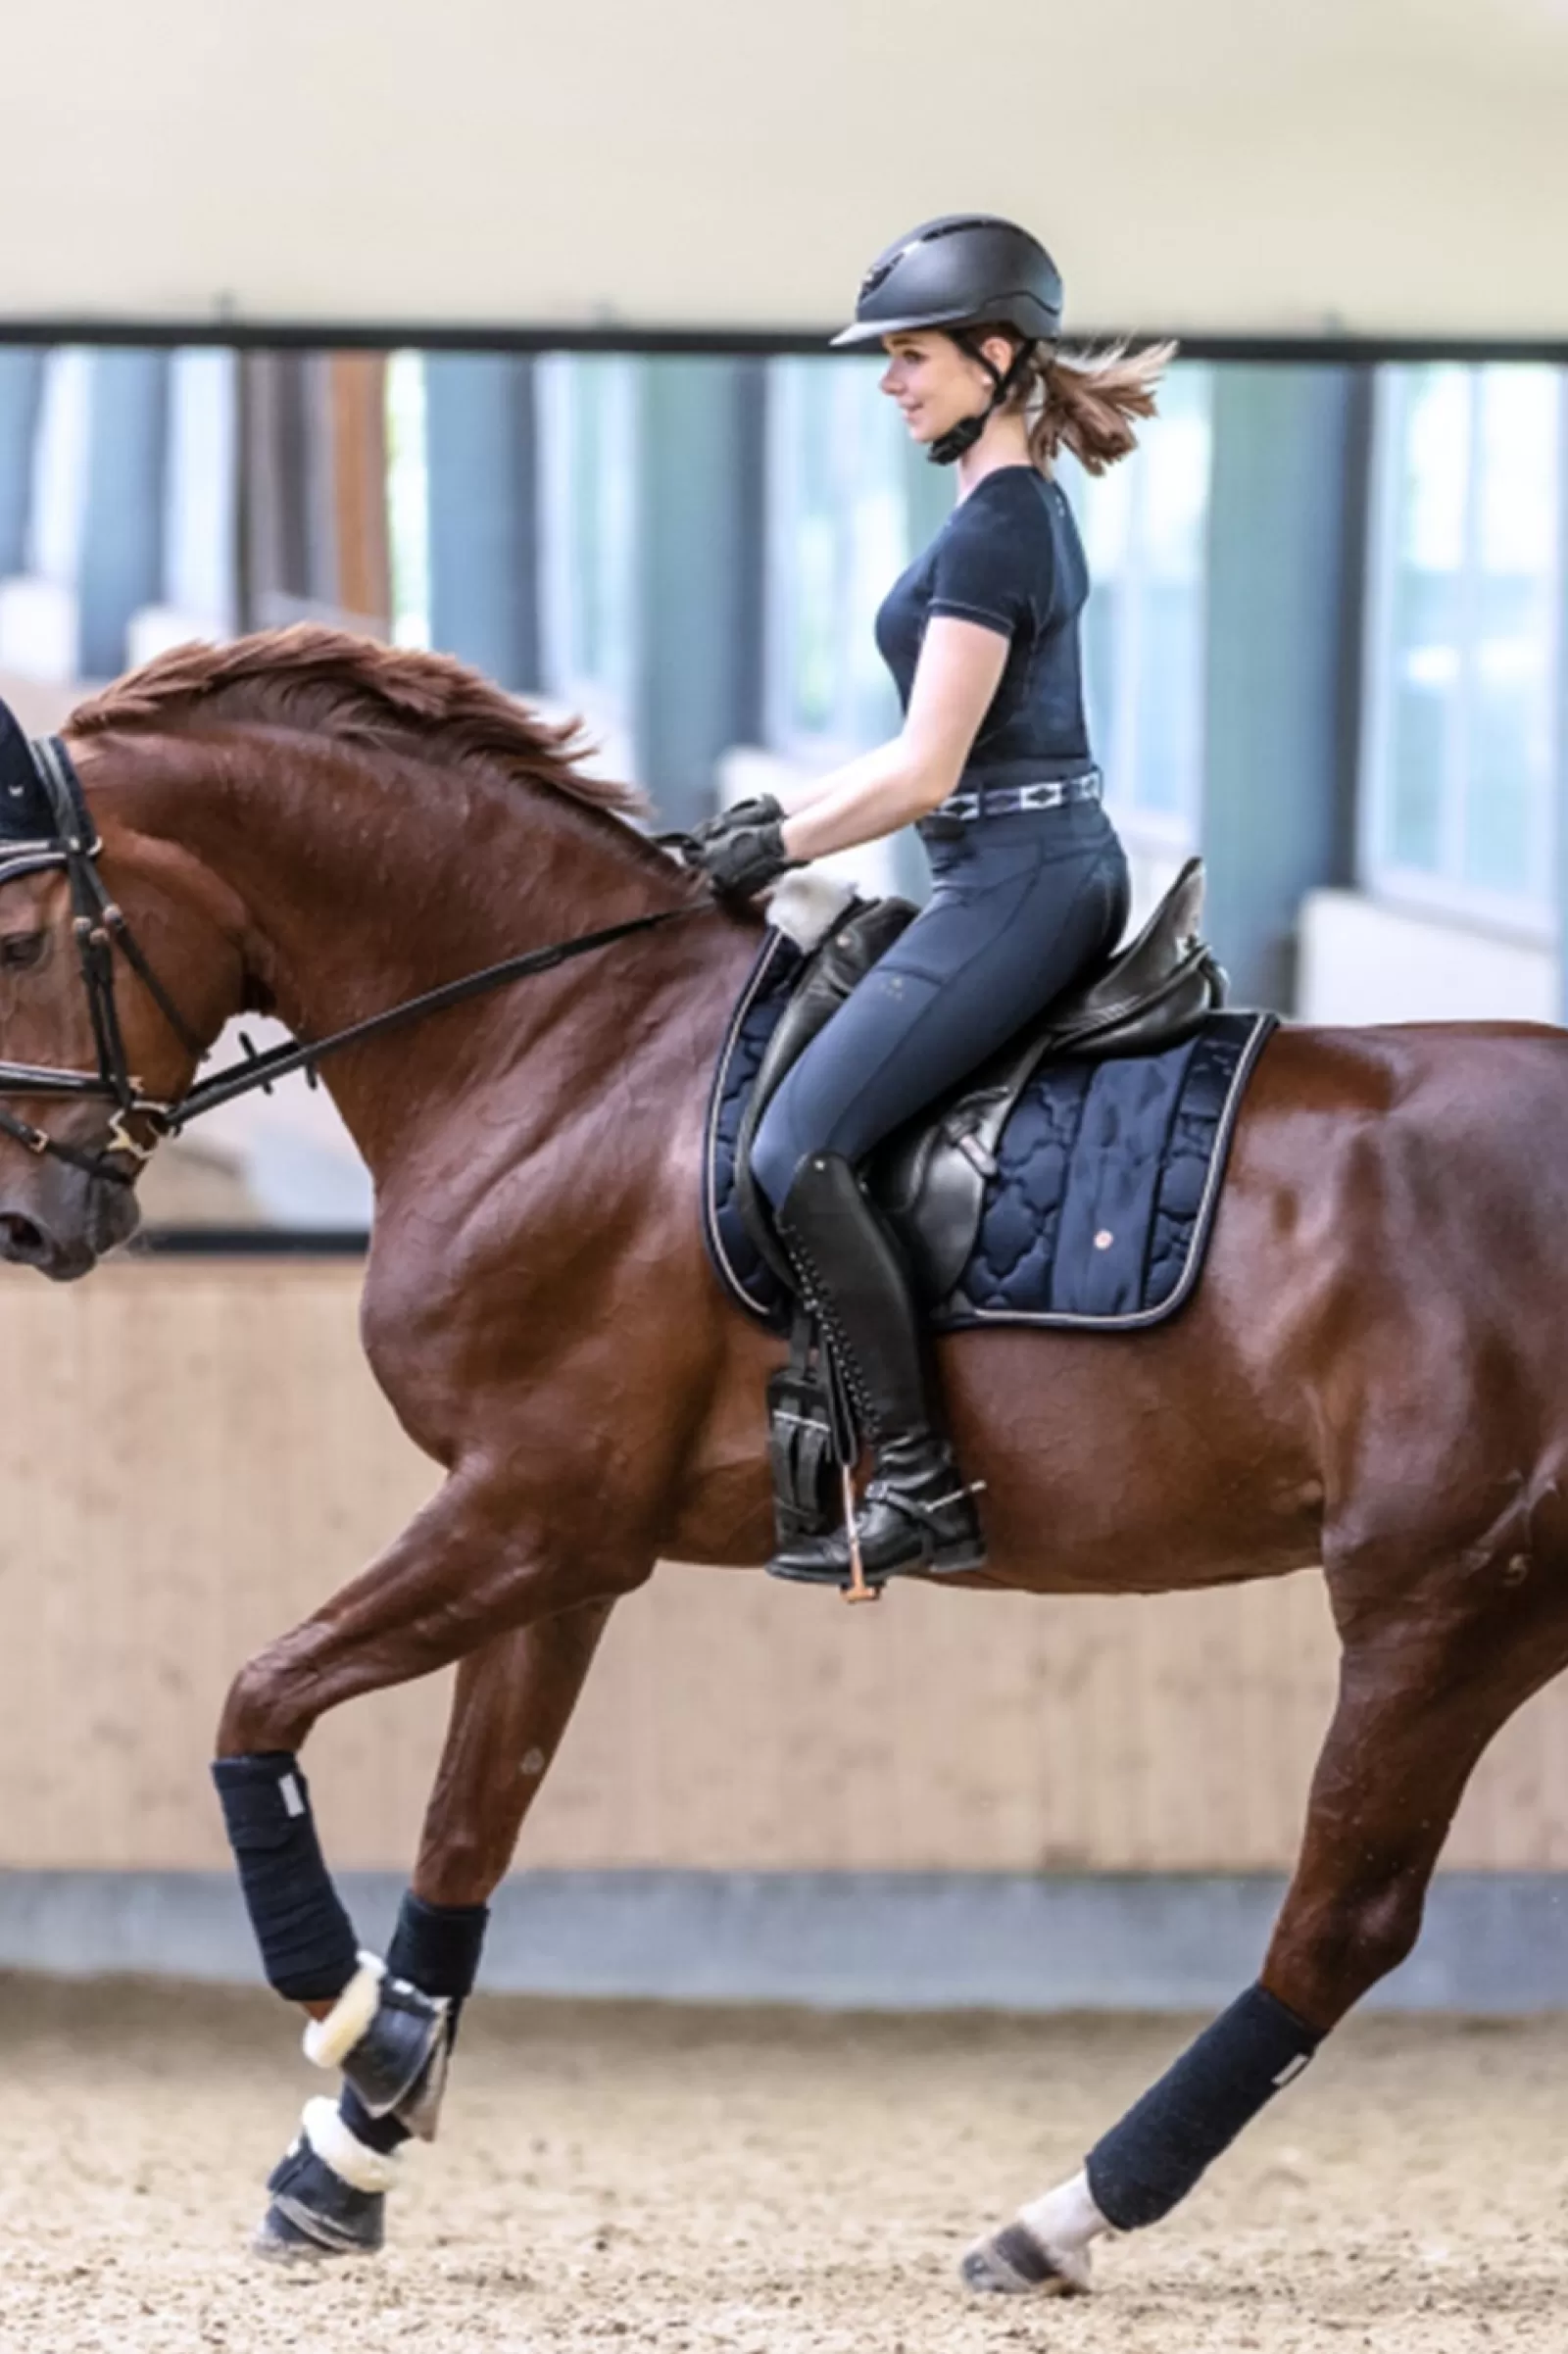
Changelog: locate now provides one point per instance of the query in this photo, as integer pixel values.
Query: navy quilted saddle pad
(1106, 1182)
(1099, 1209)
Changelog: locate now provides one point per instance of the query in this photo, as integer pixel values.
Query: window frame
(1530, 918)
(408, 496)
(607, 700)
(813, 750)
(1116, 728)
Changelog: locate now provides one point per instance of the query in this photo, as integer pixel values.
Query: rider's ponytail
(1087, 403)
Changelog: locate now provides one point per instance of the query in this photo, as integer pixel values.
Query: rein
(99, 927)
(260, 1070)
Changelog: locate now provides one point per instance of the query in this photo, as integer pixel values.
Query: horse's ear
(24, 815)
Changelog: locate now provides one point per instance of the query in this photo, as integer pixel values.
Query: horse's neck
(363, 889)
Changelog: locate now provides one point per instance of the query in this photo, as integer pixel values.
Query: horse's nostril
(21, 1239)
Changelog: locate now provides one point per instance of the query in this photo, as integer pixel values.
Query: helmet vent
(880, 271)
(955, 228)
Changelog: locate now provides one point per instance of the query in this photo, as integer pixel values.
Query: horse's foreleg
(459, 1574)
(1414, 1712)
(472, 1567)
(512, 1705)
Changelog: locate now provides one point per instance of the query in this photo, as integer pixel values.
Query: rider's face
(935, 380)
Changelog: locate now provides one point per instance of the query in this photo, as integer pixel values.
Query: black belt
(1008, 800)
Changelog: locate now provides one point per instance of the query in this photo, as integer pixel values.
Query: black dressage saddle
(930, 1179)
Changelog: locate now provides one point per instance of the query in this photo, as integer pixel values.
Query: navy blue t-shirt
(1009, 557)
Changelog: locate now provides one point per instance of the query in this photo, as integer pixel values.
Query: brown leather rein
(99, 928)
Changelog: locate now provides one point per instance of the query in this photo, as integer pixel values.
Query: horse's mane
(381, 698)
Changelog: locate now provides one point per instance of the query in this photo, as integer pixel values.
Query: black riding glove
(758, 810)
(741, 858)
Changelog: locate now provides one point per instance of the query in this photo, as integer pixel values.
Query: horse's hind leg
(1421, 1693)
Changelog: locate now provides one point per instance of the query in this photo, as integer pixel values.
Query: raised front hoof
(1011, 2263)
(390, 2039)
(279, 2239)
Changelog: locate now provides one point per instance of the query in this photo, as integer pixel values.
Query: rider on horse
(994, 765)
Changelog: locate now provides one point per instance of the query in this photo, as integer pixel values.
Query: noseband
(98, 928)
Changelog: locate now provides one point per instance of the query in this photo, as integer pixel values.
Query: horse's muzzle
(60, 1221)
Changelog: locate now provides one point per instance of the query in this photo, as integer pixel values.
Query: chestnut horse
(1372, 1376)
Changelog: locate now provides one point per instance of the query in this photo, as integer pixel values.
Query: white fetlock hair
(330, 2041)
(352, 2160)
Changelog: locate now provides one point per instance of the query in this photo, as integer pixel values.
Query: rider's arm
(959, 672)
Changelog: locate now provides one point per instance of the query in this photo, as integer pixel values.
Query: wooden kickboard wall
(194, 1454)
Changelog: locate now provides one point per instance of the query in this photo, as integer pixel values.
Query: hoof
(316, 2212)
(289, 2233)
(278, 2239)
(1012, 2263)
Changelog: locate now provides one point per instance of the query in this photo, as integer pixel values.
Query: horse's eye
(22, 948)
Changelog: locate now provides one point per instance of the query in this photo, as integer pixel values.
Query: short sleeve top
(1010, 559)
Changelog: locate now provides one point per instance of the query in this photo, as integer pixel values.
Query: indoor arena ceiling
(1363, 166)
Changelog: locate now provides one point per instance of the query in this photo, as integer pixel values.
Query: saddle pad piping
(1059, 1320)
(777, 944)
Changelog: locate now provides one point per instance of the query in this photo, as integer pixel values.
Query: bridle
(98, 927)
(100, 930)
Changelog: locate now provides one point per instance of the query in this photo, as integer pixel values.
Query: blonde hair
(1086, 402)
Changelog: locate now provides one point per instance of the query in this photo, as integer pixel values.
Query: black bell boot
(329, 2192)
(918, 1513)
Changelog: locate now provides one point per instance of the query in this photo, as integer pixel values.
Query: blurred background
(502, 332)
(1324, 645)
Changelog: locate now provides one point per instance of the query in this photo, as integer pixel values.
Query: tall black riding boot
(916, 1512)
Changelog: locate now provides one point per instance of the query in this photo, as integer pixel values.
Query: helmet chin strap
(967, 432)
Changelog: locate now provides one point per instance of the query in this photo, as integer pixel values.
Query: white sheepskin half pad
(807, 903)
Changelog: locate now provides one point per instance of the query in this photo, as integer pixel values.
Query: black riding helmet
(966, 270)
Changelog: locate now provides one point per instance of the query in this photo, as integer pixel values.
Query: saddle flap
(845, 954)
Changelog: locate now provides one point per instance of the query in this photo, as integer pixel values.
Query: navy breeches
(1021, 906)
